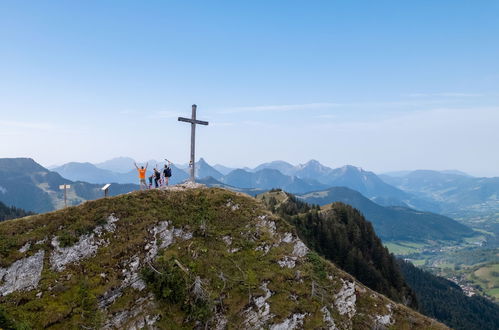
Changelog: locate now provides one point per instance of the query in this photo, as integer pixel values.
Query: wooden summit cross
(193, 121)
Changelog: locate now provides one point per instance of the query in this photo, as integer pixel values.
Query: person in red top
(142, 175)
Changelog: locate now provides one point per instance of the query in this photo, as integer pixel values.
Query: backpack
(168, 172)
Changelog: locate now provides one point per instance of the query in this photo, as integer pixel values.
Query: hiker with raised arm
(167, 172)
(142, 175)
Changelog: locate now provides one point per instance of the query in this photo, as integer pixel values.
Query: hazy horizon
(384, 86)
(211, 163)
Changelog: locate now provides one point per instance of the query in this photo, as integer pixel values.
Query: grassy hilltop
(181, 258)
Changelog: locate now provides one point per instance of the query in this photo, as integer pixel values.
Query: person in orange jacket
(142, 175)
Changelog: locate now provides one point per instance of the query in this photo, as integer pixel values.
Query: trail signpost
(65, 187)
(193, 121)
(105, 189)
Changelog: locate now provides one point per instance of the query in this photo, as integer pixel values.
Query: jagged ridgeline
(183, 258)
(342, 235)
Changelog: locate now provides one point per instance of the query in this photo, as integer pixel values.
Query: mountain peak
(116, 262)
(351, 168)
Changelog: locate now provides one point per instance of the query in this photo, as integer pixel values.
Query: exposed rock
(221, 322)
(109, 297)
(86, 246)
(300, 249)
(259, 314)
(345, 299)
(42, 241)
(24, 274)
(384, 321)
(269, 225)
(131, 274)
(25, 247)
(161, 232)
(295, 321)
(183, 186)
(110, 225)
(165, 236)
(227, 240)
(265, 248)
(144, 322)
(328, 320)
(132, 319)
(181, 234)
(230, 204)
(289, 262)
(288, 238)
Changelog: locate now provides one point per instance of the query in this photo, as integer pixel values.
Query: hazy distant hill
(394, 223)
(314, 170)
(448, 192)
(268, 179)
(26, 184)
(455, 193)
(119, 164)
(223, 169)
(88, 172)
(282, 166)
(211, 182)
(203, 169)
(367, 183)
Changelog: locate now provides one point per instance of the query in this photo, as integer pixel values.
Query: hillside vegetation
(445, 301)
(7, 213)
(178, 259)
(395, 223)
(342, 235)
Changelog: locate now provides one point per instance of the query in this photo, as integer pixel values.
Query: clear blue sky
(384, 85)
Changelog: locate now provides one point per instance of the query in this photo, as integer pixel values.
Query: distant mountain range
(451, 192)
(455, 194)
(394, 223)
(28, 185)
(307, 177)
(92, 173)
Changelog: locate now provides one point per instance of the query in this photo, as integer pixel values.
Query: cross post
(193, 121)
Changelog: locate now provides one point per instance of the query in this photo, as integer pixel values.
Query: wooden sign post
(65, 187)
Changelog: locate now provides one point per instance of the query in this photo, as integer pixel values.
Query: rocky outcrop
(259, 314)
(86, 246)
(345, 299)
(23, 274)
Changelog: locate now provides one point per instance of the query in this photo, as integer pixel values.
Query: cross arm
(188, 120)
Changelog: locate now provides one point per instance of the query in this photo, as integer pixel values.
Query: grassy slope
(69, 298)
(488, 279)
